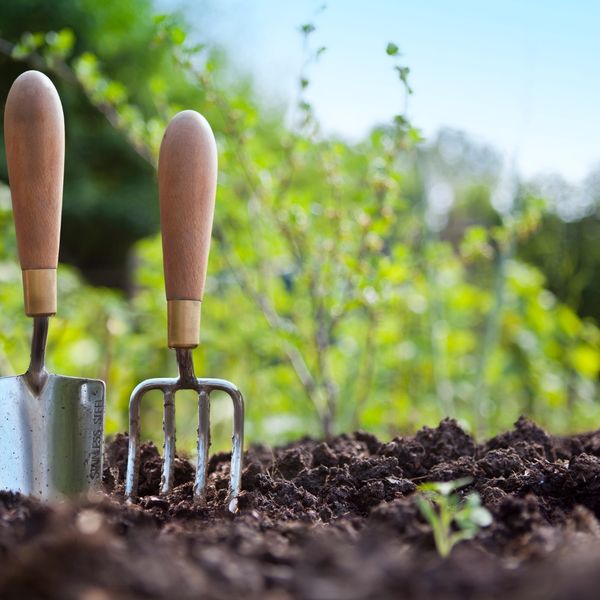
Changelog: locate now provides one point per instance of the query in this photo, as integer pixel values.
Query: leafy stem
(451, 519)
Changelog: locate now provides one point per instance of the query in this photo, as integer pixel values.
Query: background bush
(382, 284)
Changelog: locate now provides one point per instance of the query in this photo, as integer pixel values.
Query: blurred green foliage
(569, 254)
(344, 290)
(109, 184)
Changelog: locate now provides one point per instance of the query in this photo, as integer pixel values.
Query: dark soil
(322, 522)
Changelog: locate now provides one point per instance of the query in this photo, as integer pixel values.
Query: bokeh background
(407, 220)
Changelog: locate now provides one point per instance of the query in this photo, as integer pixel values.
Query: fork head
(169, 387)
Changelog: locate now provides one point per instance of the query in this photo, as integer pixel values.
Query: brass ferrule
(39, 292)
(183, 323)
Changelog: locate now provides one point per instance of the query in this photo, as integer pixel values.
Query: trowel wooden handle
(34, 133)
(187, 181)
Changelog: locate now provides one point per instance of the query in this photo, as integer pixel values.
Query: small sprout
(451, 519)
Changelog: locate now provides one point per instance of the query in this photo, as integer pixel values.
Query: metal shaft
(36, 374)
(185, 364)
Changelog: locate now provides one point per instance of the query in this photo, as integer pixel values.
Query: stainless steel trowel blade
(51, 443)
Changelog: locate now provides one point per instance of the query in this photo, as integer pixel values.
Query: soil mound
(321, 521)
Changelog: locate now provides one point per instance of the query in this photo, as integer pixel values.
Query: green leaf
(307, 29)
(585, 360)
(401, 120)
(305, 106)
(415, 135)
(20, 51)
(35, 40)
(65, 40)
(59, 44)
(177, 35)
(392, 49)
(426, 509)
(482, 516)
(445, 488)
(115, 92)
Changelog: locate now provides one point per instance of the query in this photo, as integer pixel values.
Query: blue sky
(521, 75)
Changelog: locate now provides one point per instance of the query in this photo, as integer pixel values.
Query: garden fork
(187, 177)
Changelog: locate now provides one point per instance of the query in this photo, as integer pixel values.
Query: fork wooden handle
(34, 133)
(187, 181)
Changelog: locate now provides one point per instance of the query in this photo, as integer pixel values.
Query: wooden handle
(187, 181)
(34, 134)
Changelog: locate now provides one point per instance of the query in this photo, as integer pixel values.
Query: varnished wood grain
(34, 134)
(187, 180)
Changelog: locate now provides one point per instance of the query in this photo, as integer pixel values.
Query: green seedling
(452, 519)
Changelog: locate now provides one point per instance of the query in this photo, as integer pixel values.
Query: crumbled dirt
(322, 521)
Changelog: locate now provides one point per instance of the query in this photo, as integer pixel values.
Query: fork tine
(203, 445)
(235, 477)
(166, 478)
(133, 456)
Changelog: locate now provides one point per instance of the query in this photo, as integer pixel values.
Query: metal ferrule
(183, 318)
(39, 292)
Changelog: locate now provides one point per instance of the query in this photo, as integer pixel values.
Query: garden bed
(322, 522)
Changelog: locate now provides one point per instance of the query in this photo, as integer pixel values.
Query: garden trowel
(51, 427)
